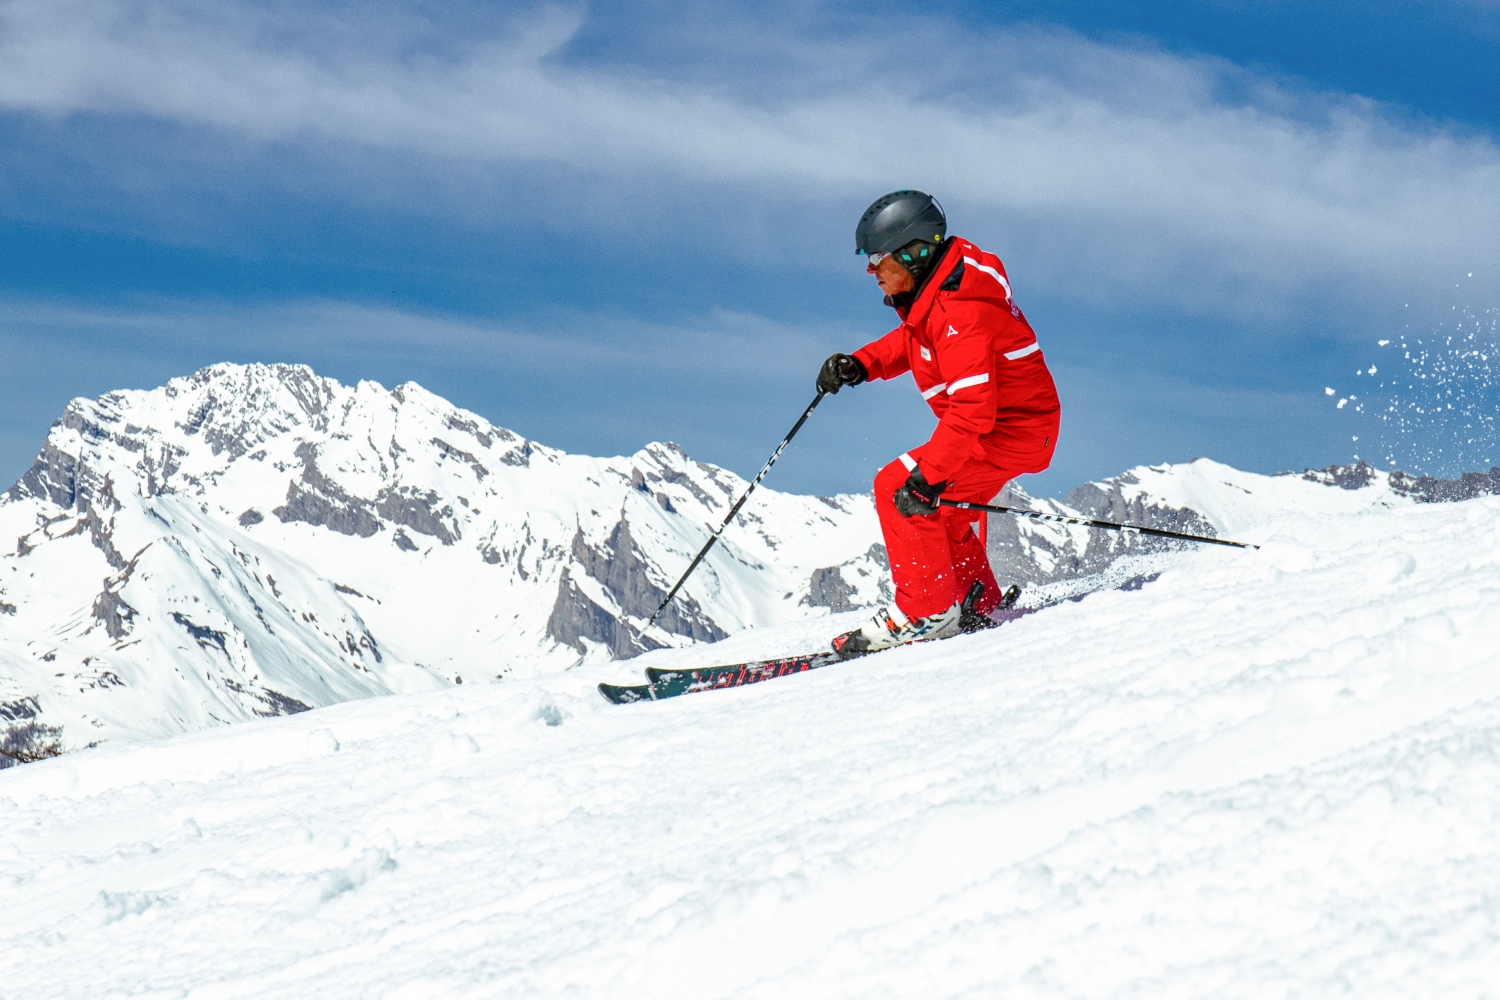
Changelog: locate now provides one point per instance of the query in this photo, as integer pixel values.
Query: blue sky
(606, 224)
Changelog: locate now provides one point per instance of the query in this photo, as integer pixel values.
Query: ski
(671, 683)
(665, 683)
(625, 694)
(690, 680)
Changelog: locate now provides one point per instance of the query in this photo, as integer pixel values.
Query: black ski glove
(918, 496)
(841, 370)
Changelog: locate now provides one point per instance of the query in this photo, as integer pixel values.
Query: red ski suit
(977, 363)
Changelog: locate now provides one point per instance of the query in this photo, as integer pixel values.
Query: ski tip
(625, 694)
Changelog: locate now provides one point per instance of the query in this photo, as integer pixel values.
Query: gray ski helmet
(898, 218)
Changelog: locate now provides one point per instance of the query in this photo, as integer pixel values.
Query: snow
(1268, 773)
(253, 539)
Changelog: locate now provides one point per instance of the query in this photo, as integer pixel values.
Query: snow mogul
(977, 362)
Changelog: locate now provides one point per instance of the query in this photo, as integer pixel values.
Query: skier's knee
(887, 481)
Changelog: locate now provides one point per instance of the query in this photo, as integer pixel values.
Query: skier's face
(894, 279)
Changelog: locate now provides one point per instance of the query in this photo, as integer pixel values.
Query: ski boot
(884, 631)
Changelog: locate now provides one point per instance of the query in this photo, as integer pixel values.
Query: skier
(976, 361)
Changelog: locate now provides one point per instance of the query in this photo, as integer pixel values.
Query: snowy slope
(254, 540)
(1200, 497)
(1268, 773)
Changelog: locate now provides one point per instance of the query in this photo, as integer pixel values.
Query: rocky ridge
(257, 540)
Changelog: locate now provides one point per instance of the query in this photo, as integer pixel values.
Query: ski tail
(1010, 597)
(970, 620)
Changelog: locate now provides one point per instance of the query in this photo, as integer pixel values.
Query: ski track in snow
(1266, 774)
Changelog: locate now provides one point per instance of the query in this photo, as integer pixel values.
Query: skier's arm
(965, 359)
(886, 357)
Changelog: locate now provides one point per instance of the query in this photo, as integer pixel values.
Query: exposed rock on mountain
(1425, 489)
(1422, 489)
(257, 540)
(254, 540)
(1191, 498)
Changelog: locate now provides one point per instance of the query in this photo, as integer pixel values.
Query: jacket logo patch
(952, 332)
(926, 354)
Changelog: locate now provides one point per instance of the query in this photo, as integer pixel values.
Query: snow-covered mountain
(1269, 773)
(255, 540)
(1200, 497)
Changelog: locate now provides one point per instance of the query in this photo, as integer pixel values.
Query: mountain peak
(252, 538)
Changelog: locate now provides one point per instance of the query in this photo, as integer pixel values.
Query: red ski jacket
(977, 363)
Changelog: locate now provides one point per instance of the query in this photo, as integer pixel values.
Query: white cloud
(567, 341)
(588, 382)
(1117, 170)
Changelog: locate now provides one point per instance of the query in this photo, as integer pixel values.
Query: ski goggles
(916, 253)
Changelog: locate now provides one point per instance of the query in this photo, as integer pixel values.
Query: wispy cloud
(603, 382)
(1114, 169)
(569, 341)
(590, 382)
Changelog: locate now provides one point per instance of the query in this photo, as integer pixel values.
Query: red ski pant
(934, 560)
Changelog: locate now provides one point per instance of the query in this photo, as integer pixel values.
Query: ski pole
(737, 505)
(1037, 515)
